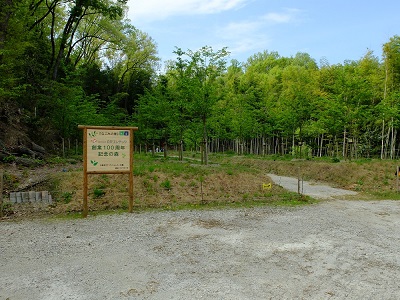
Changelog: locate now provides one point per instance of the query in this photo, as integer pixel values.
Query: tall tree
(64, 22)
(203, 68)
(391, 94)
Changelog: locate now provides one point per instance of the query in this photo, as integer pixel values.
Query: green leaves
(81, 62)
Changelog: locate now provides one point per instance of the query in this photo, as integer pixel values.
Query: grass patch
(166, 184)
(228, 181)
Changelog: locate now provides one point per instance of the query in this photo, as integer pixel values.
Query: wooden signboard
(107, 150)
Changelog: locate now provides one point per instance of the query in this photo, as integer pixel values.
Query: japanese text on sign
(108, 150)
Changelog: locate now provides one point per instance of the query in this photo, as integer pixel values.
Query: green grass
(288, 200)
(167, 182)
(385, 195)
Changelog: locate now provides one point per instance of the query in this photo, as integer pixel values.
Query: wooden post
(85, 176)
(300, 185)
(298, 181)
(130, 208)
(1, 193)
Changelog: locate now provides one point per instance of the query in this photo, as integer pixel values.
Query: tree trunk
(293, 145)
(344, 144)
(386, 143)
(383, 133)
(205, 142)
(321, 145)
(392, 141)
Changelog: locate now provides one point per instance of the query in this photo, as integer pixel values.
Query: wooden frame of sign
(107, 150)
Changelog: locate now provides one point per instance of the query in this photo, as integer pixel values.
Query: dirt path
(317, 191)
(332, 250)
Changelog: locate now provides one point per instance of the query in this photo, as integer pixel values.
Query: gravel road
(336, 249)
(317, 191)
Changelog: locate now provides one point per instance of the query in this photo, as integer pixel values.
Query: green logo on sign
(94, 163)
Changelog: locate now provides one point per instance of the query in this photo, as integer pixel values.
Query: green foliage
(82, 63)
(66, 197)
(9, 158)
(11, 180)
(166, 184)
(98, 192)
(54, 73)
(7, 208)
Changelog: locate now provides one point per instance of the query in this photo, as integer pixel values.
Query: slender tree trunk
(394, 144)
(387, 143)
(180, 147)
(321, 145)
(63, 44)
(355, 145)
(392, 141)
(337, 146)
(205, 142)
(382, 140)
(344, 144)
(293, 145)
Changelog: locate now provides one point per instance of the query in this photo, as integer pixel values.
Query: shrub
(166, 184)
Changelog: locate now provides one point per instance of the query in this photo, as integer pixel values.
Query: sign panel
(108, 150)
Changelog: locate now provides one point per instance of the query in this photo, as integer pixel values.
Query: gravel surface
(318, 191)
(336, 249)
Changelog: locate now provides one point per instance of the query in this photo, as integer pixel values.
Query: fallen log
(36, 148)
(27, 162)
(23, 150)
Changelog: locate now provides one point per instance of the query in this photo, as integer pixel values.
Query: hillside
(170, 184)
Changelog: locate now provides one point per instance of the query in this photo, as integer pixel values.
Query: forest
(65, 63)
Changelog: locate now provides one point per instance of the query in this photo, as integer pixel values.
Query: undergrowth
(228, 181)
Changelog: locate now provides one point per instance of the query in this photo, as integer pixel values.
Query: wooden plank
(130, 209)
(85, 207)
(1, 193)
(108, 127)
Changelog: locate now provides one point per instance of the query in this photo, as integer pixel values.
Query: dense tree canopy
(287, 105)
(70, 62)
